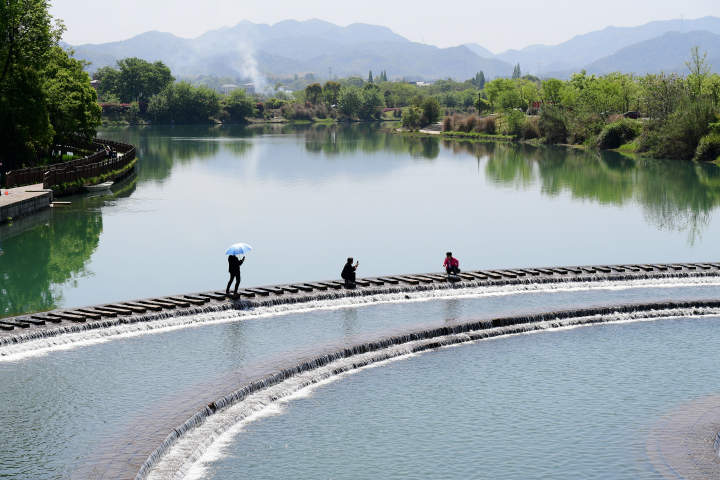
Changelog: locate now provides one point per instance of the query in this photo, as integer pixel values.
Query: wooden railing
(93, 165)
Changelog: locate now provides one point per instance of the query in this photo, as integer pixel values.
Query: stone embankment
(30, 190)
(31, 326)
(23, 201)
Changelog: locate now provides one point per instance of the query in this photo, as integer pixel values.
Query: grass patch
(324, 121)
(478, 135)
(70, 187)
(630, 147)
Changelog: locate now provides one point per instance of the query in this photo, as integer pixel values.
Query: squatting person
(348, 273)
(451, 264)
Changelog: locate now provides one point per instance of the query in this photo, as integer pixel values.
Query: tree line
(153, 94)
(661, 115)
(45, 94)
(46, 98)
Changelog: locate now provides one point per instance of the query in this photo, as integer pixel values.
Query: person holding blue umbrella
(234, 263)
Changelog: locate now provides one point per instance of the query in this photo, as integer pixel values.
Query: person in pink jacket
(451, 264)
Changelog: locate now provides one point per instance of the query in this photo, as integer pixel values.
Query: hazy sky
(496, 24)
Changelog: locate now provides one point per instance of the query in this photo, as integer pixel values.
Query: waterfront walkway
(21, 201)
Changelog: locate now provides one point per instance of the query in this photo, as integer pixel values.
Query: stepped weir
(23, 328)
(173, 446)
(187, 442)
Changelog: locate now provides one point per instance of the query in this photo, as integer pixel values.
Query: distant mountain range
(291, 47)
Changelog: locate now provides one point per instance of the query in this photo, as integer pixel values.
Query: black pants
(350, 281)
(452, 270)
(236, 277)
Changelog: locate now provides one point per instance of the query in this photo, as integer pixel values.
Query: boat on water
(99, 187)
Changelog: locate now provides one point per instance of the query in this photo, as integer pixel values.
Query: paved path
(20, 201)
(19, 194)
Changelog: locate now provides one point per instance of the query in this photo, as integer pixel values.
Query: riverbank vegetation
(45, 94)
(662, 116)
(46, 98)
(659, 115)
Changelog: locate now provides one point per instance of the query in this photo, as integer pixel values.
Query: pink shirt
(451, 262)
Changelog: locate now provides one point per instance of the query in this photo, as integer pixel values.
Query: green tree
(431, 110)
(550, 91)
(313, 93)
(238, 106)
(699, 71)
(27, 34)
(517, 73)
(496, 89)
(331, 92)
(139, 80)
(479, 80)
(371, 102)
(370, 77)
(71, 101)
(482, 104)
(412, 117)
(350, 101)
(183, 103)
(108, 78)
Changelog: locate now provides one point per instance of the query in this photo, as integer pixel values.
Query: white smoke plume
(246, 66)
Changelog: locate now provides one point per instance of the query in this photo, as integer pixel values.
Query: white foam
(67, 341)
(190, 457)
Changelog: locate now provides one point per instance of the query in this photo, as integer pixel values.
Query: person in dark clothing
(451, 264)
(348, 273)
(234, 269)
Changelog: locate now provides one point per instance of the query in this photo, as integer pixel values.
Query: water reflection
(678, 196)
(367, 138)
(52, 252)
(285, 175)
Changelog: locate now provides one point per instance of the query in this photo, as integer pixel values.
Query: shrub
(430, 110)
(482, 105)
(470, 123)
(618, 133)
(678, 136)
(708, 150)
(412, 117)
(486, 125)
(511, 122)
(297, 112)
(584, 126)
(448, 124)
(530, 127)
(552, 124)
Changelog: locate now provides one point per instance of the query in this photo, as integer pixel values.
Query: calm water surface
(308, 197)
(561, 405)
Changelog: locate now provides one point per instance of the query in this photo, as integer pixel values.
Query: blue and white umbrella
(238, 249)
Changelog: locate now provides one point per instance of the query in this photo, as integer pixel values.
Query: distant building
(228, 87)
(95, 84)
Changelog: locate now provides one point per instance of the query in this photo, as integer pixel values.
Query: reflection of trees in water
(680, 199)
(338, 139)
(677, 196)
(161, 147)
(48, 254)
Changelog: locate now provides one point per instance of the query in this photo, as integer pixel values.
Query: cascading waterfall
(42, 340)
(186, 444)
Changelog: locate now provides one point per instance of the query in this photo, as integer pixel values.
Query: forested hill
(324, 49)
(291, 47)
